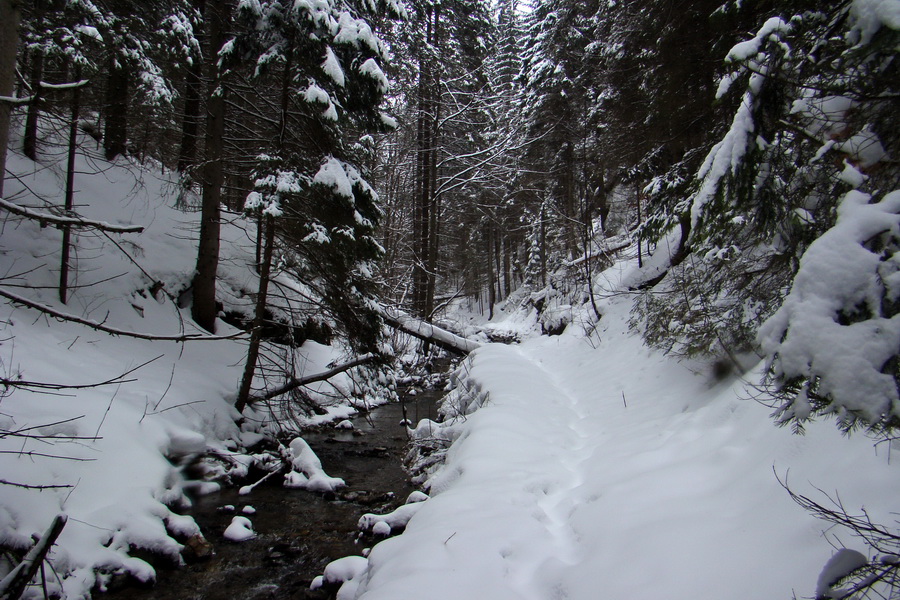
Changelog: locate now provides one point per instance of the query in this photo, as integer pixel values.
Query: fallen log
(426, 331)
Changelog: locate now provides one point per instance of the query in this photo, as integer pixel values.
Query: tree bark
(258, 318)
(203, 309)
(115, 136)
(70, 189)
(10, 15)
(29, 142)
(190, 123)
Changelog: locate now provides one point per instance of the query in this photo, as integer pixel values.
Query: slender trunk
(190, 124)
(203, 309)
(29, 142)
(507, 284)
(70, 189)
(115, 137)
(258, 318)
(10, 14)
(492, 297)
(543, 245)
(570, 214)
(640, 255)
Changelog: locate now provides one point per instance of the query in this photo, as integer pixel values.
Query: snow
(356, 32)
(127, 485)
(308, 473)
(750, 48)
(337, 175)
(838, 566)
(371, 69)
(240, 530)
(345, 568)
(393, 520)
(837, 275)
(600, 468)
(332, 67)
(871, 15)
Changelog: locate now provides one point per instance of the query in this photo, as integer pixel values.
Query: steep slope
(108, 456)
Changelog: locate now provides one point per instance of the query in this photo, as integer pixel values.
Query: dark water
(298, 532)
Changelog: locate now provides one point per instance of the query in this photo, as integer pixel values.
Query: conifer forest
(449, 299)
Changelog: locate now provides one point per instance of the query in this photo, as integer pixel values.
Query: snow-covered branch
(75, 221)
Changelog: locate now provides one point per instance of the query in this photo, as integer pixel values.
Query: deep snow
(124, 477)
(593, 467)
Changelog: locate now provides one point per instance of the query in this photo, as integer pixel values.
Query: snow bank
(116, 449)
(613, 471)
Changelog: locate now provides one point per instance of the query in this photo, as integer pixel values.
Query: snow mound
(240, 530)
(308, 472)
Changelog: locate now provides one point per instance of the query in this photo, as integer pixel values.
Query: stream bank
(298, 532)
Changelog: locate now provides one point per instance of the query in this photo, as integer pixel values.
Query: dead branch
(294, 383)
(73, 221)
(112, 330)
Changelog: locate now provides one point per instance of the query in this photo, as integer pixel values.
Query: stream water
(298, 532)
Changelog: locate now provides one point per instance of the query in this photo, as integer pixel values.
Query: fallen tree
(428, 332)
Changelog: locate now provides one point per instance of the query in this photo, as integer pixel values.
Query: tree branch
(45, 218)
(294, 383)
(112, 330)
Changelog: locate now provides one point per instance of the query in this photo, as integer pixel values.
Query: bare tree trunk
(115, 136)
(492, 293)
(70, 189)
(258, 317)
(10, 14)
(29, 142)
(203, 309)
(190, 124)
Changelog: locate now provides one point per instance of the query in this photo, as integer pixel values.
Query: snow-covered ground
(585, 466)
(597, 468)
(115, 451)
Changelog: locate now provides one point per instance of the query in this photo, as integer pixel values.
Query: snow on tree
(811, 121)
(834, 344)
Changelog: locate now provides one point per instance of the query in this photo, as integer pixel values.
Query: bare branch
(112, 330)
(294, 383)
(74, 221)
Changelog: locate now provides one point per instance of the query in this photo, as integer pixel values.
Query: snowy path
(558, 489)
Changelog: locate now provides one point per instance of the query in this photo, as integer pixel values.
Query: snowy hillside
(591, 467)
(108, 455)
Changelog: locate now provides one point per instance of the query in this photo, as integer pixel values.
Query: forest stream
(298, 532)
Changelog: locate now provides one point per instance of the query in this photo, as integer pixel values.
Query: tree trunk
(190, 124)
(489, 243)
(115, 136)
(70, 188)
(203, 309)
(258, 317)
(29, 142)
(10, 14)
